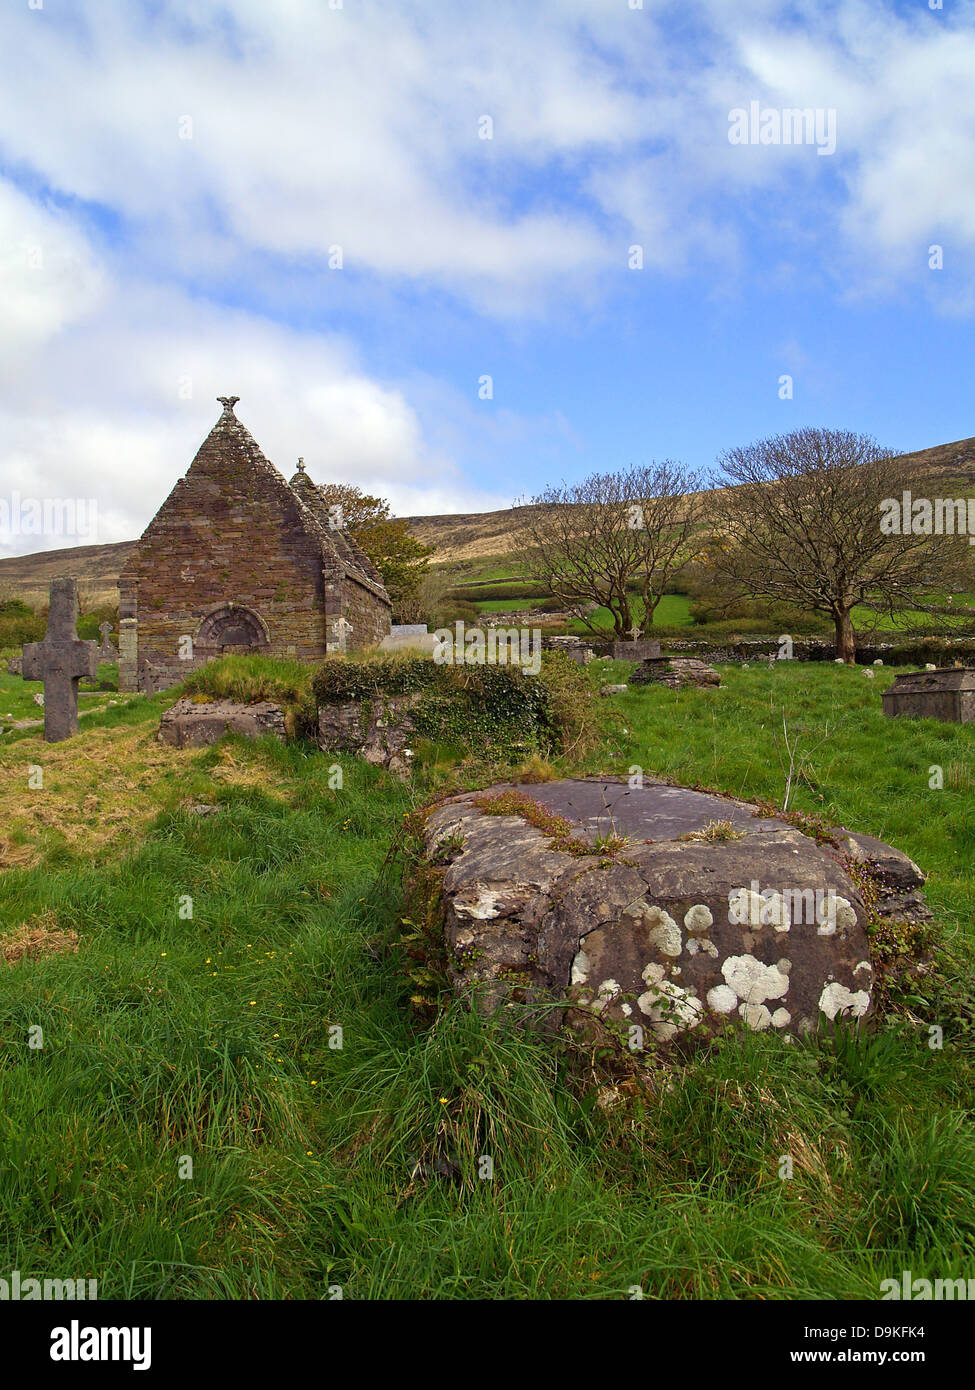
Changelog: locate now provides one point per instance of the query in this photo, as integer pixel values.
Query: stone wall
(234, 535)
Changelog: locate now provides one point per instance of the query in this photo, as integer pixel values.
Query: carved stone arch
(231, 625)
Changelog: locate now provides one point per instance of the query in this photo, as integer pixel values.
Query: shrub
(452, 610)
(492, 711)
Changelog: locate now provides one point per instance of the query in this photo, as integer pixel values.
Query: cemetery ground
(211, 1037)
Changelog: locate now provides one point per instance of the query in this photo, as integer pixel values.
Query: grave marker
(947, 694)
(60, 661)
(107, 651)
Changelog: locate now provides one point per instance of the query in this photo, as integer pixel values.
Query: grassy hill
(471, 546)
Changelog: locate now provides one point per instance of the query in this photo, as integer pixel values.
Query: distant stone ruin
(238, 561)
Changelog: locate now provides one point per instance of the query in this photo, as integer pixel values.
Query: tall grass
(212, 1037)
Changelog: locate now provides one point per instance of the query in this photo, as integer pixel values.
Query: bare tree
(613, 541)
(801, 522)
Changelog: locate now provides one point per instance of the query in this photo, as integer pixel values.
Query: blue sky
(175, 176)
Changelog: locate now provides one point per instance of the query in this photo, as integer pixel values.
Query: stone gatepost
(128, 656)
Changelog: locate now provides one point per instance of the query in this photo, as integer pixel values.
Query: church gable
(234, 560)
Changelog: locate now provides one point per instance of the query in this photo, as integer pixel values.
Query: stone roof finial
(228, 403)
(301, 465)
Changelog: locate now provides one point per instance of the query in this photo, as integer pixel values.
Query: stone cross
(106, 652)
(60, 661)
(228, 403)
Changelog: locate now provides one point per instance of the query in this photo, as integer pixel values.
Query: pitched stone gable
(348, 548)
(235, 559)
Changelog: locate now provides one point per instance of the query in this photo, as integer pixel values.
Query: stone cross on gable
(60, 661)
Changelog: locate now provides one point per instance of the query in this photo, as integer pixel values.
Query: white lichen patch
(722, 999)
(671, 1010)
(781, 1018)
(756, 1016)
(483, 904)
(698, 918)
(753, 981)
(837, 999)
(835, 912)
(606, 994)
(776, 913)
(745, 908)
(863, 965)
(704, 944)
(664, 932)
(580, 968)
(653, 973)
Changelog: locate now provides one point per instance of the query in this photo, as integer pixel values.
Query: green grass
(505, 605)
(209, 1037)
(673, 610)
(17, 696)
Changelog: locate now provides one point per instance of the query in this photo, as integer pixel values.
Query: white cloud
(359, 126)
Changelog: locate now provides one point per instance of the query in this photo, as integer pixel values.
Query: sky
(453, 252)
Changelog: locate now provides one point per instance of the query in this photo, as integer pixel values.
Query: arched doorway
(233, 627)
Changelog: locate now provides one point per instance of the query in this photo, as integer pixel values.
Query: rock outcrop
(659, 909)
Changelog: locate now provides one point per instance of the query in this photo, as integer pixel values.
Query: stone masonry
(238, 560)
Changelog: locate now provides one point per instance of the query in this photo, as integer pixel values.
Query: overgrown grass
(211, 1037)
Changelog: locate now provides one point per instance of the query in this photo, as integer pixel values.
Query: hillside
(460, 540)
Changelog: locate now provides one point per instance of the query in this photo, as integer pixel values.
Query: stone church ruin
(238, 560)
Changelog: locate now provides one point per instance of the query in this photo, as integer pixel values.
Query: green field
(17, 696)
(169, 1037)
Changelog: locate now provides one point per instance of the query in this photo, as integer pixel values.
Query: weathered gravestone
(948, 695)
(674, 671)
(635, 651)
(60, 661)
(107, 650)
(188, 724)
(708, 913)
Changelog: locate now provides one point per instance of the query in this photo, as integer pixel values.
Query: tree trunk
(845, 641)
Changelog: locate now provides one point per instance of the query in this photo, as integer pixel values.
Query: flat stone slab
(188, 724)
(748, 923)
(655, 811)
